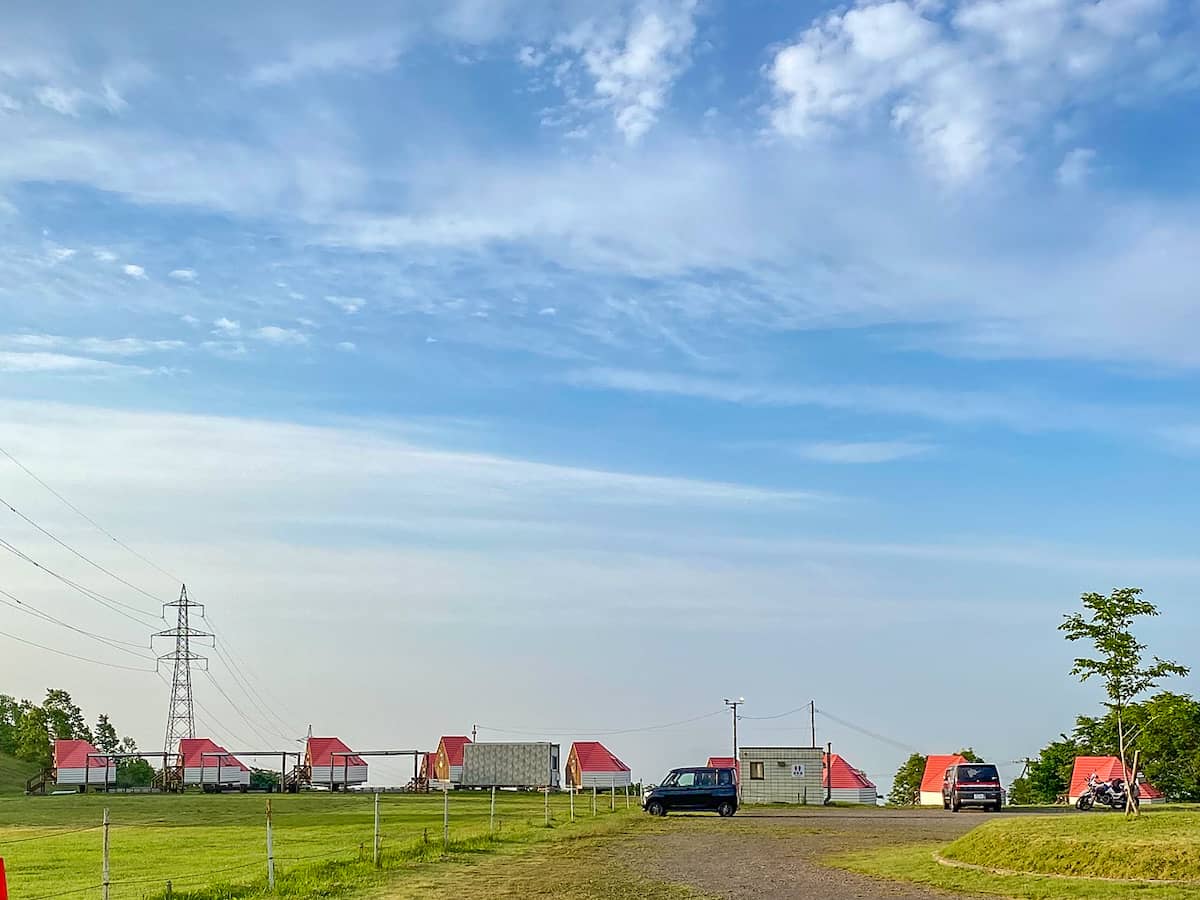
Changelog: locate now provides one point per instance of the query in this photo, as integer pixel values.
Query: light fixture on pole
(733, 706)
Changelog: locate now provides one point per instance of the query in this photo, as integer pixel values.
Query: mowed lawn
(214, 846)
(1085, 855)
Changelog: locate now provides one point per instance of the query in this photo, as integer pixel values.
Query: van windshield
(976, 774)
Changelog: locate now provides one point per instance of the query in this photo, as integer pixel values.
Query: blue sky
(611, 357)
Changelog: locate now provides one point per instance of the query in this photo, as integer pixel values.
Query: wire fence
(286, 839)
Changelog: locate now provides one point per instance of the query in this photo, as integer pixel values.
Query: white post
(104, 862)
(627, 796)
(492, 818)
(547, 807)
(572, 790)
(612, 793)
(593, 799)
(270, 851)
(445, 820)
(377, 860)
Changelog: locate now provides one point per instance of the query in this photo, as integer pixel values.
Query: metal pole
(270, 852)
(593, 799)
(104, 875)
(572, 790)
(492, 816)
(829, 779)
(445, 820)
(813, 719)
(377, 830)
(612, 793)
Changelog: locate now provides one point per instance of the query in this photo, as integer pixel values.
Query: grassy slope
(316, 836)
(14, 773)
(1162, 844)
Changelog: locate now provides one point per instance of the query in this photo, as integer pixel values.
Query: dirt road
(773, 855)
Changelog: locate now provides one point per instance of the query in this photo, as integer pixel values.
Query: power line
(248, 691)
(115, 643)
(907, 748)
(791, 712)
(102, 599)
(85, 558)
(97, 662)
(237, 709)
(601, 733)
(88, 518)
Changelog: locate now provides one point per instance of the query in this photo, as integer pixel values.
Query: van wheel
(656, 809)
(725, 810)
(955, 806)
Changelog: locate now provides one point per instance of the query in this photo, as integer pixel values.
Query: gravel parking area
(776, 854)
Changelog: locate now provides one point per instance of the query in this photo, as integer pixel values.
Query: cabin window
(757, 772)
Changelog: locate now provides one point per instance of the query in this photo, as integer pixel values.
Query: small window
(686, 779)
(706, 779)
(725, 776)
(757, 772)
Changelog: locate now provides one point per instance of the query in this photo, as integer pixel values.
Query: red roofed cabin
(1106, 768)
(935, 773)
(75, 764)
(209, 765)
(448, 765)
(845, 783)
(592, 765)
(332, 764)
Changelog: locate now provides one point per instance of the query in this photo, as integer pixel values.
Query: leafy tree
(33, 736)
(133, 772)
(10, 718)
(906, 786)
(263, 779)
(64, 718)
(1120, 663)
(1020, 792)
(106, 736)
(970, 755)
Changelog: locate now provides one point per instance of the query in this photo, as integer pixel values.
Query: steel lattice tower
(181, 718)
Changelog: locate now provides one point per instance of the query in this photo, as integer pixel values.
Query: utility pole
(474, 732)
(733, 705)
(812, 716)
(181, 717)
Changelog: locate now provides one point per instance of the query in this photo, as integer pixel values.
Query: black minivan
(972, 784)
(702, 789)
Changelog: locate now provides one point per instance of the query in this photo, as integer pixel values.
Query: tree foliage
(969, 754)
(906, 786)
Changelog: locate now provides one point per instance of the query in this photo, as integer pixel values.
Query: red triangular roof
(192, 752)
(593, 756)
(1106, 768)
(935, 771)
(843, 774)
(74, 755)
(453, 745)
(321, 750)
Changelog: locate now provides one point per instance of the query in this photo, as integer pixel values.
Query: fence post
(593, 799)
(627, 796)
(3, 881)
(104, 879)
(547, 807)
(492, 815)
(612, 793)
(445, 820)
(376, 844)
(270, 851)
(170, 891)
(572, 790)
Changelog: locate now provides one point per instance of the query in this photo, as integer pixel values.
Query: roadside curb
(971, 867)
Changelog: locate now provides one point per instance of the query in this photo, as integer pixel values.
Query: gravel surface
(771, 855)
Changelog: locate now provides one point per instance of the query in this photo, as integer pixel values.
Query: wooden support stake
(270, 852)
(376, 844)
(445, 820)
(104, 874)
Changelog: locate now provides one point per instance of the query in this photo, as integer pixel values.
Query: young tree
(33, 736)
(969, 754)
(1120, 663)
(64, 718)
(906, 786)
(10, 718)
(106, 736)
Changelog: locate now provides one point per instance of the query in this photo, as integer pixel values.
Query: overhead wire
(91, 562)
(102, 599)
(88, 518)
(234, 662)
(97, 662)
(115, 643)
(602, 733)
(250, 722)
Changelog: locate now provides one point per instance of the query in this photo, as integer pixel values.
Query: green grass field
(213, 847)
(1160, 845)
(14, 773)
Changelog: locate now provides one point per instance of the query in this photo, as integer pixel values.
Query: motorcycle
(1112, 794)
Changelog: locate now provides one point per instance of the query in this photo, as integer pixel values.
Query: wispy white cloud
(38, 363)
(182, 274)
(347, 346)
(1076, 167)
(371, 51)
(134, 271)
(275, 334)
(348, 305)
(969, 84)
(128, 346)
(104, 256)
(860, 452)
(227, 327)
